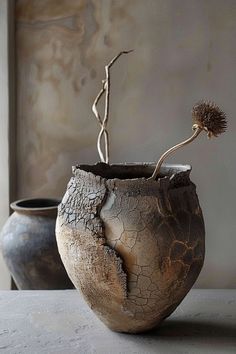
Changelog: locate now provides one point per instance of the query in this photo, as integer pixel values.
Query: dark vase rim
(35, 204)
(132, 171)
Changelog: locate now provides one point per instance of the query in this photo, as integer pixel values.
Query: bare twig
(94, 108)
(197, 131)
(103, 122)
(97, 115)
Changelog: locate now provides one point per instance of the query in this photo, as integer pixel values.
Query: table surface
(60, 322)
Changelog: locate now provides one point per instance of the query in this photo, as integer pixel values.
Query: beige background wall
(184, 51)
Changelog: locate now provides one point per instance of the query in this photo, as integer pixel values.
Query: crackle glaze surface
(134, 247)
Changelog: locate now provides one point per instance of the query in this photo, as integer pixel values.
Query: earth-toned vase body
(29, 246)
(133, 246)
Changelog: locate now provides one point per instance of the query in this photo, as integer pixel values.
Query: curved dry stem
(197, 131)
(107, 145)
(102, 158)
(94, 106)
(103, 122)
(106, 142)
(97, 115)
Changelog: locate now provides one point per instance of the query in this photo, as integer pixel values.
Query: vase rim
(132, 171)
(35, 205)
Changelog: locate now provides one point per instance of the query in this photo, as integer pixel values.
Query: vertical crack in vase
(133, 246)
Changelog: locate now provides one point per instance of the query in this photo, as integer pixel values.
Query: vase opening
(36, 205)
(132, 170)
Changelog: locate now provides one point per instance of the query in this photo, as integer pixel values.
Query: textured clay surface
(134, 247)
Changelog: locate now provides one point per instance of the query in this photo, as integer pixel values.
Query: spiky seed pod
(208, 116)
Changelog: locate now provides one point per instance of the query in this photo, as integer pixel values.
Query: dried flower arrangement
(207, 116)
(134, 244)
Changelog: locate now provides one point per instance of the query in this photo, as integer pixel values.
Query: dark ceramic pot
(133, 246)
(29, 246)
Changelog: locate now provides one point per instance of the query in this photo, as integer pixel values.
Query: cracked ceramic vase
(133, 246)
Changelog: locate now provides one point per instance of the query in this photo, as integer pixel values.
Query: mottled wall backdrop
(184, 51)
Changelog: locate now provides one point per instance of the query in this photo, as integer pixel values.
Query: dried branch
(197, 131)
(207, 116)
(103, 122)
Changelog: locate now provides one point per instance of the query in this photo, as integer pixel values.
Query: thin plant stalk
(197, 131)
(104, 157)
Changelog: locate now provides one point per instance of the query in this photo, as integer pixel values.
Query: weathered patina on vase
(133, 246)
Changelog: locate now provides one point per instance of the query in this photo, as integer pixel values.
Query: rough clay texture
(134, 247)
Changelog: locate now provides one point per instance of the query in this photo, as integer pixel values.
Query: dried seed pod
(209, 117)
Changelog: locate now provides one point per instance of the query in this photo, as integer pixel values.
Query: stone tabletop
(60, 322)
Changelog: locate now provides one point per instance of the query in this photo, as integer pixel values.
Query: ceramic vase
(29, 246)
(133, 246)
